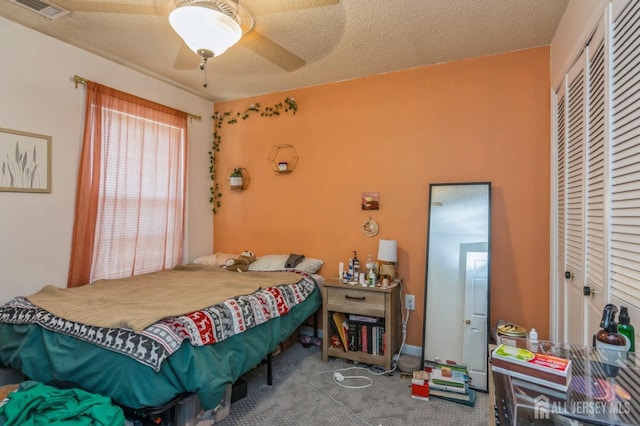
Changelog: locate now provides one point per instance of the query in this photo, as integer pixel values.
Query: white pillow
(269, 262)
(206, 260)
(275, 262)
(309, 265)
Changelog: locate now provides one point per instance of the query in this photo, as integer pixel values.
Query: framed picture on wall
(25, 161)
(370, 200)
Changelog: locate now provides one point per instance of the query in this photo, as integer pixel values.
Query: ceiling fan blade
(161, 9)
(272, 51)
(186, 59)
(265, 7)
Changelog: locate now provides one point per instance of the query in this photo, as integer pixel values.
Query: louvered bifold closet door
(561, 146)
(575, 157)
(575, 169)
(625, 157)
(596, 169)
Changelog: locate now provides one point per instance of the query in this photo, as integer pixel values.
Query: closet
(596, 253)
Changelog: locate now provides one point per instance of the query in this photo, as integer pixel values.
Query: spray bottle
(613, 344)
(533, 340)
(625, 328)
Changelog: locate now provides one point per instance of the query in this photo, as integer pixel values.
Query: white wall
(37, 95)
(577, 24)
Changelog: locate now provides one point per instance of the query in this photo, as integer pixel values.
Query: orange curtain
(130, 198)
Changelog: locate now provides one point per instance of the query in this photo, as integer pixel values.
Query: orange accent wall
(482, 119)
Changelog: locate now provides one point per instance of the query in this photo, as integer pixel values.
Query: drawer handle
(346, 296)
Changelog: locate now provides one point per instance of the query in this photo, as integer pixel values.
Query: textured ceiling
(338, 40)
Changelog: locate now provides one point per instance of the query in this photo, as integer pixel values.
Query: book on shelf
(341, 324)
(366, 336)
(351, 336)
(365, 318)
(363, 334)
(461, 398)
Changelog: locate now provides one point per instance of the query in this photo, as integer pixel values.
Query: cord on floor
(338, 378)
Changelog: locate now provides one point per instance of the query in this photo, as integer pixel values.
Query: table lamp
(388, 256)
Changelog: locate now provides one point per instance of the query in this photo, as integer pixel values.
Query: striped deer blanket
(155, 342)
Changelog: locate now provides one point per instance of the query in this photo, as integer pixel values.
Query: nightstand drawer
(357, 301)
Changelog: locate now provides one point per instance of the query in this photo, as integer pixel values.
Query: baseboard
(412, 350)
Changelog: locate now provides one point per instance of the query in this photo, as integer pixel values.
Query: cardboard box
(546, 370)
(420, 385)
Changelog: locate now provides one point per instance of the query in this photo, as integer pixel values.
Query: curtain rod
(80, 80)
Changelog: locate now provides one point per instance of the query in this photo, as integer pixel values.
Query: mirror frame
(426, 281)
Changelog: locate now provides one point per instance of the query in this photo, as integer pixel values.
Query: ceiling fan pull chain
(203, 67)
(205, 55)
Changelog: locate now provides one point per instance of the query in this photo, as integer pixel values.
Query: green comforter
(43, 355)
(35, 404)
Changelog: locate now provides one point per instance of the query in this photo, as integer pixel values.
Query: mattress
(206, 370)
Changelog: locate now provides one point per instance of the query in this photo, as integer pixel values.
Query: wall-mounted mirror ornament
(457, 277)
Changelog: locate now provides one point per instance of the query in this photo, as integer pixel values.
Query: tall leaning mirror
(457, 277)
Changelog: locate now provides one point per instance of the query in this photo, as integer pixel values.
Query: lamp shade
(388, 250)
(204, 28)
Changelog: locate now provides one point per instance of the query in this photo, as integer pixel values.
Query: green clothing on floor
(35, 404)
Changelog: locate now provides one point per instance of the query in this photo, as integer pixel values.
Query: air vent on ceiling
(44, 8)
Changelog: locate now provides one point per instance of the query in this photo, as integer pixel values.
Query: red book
(365, 342)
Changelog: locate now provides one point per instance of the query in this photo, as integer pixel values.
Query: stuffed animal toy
(242, 262)
(221, 259)
(218, 259)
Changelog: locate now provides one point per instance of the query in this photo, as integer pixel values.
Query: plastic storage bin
(189, 412)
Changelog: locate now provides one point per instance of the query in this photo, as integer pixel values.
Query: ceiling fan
(231, 13)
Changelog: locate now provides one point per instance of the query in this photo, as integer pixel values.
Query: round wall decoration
(370, 228)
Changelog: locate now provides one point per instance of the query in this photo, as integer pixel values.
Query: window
(131, 188)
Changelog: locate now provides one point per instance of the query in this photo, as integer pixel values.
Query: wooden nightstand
(379, 302)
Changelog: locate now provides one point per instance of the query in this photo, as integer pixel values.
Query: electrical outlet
(410, 302)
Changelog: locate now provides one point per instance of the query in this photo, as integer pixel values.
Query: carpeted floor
(303, 388)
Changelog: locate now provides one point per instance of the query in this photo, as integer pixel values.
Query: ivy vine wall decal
(227, 117)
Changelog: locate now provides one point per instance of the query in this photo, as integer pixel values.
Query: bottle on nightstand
(356, 264)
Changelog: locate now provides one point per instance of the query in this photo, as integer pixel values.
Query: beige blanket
(137, 302)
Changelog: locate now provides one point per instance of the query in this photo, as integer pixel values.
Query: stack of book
(360, 333)
(451, 382)
(420, 385)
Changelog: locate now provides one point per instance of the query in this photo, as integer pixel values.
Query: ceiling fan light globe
(204, 28)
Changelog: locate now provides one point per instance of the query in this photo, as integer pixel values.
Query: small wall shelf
(245, 179)
(283, 154)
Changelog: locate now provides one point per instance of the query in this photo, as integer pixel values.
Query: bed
(140, 364)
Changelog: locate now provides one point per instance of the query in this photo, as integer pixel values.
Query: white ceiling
(337, 39)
